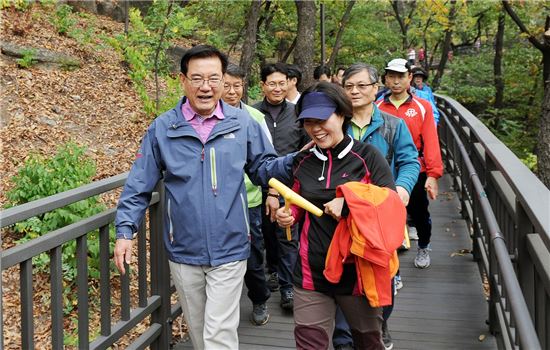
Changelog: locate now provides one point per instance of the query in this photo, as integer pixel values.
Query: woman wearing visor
(337, 175)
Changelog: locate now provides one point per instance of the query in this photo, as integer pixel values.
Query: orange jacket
(371, 234)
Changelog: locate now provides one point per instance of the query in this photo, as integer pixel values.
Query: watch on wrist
(126, 235)
(276, 195)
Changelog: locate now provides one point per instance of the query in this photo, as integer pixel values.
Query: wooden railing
(508, 211)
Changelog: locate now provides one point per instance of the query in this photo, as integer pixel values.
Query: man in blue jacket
(392, 138)
(200, 149)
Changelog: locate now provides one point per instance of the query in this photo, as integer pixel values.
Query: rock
(56, 110)
(39, 54)
(174, 54)
(44, 119)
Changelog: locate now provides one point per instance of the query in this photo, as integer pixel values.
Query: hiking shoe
(273, 282)
(348, 346)
(386, 337)
(259, 315)
(398, 283)
(413, 233)
(287, 299)
(422, 260)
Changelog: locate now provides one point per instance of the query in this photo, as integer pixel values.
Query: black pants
(418, 211)
(281, 254)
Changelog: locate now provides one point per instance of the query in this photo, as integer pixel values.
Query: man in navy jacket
(200, 149)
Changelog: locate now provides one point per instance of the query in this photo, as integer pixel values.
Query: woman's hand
(334, 207)
(284, 219)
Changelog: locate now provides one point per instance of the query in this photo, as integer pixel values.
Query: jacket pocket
(245, 213)
(170, 223)
(213, 174)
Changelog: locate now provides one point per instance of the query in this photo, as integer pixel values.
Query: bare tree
(543, 144)
(249, 44)
(338, 42)
(304, 51)
(446, 46)
(497, 62)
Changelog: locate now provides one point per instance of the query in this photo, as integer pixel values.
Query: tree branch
(522, 26)
(157, 52)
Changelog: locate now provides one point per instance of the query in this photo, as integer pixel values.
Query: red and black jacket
(317, 173)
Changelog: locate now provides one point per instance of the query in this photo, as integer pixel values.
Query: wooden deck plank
(442, 307)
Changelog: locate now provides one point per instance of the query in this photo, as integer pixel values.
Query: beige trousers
(209, 297)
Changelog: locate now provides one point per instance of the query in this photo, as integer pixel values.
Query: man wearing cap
(287, 137)
(419, 118)
(422, 90)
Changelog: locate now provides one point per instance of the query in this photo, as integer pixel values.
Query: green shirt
(253, 192)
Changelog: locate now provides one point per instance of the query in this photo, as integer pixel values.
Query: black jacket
(286, 131)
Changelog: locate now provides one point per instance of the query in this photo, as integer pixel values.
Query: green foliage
(20, 5)
(63, 19)
(28, 59)
(41, 177)
(139, 49)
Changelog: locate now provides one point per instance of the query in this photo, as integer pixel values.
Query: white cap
(398, 65)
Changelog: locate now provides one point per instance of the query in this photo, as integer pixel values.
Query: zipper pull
(202, 154)
(274, 124)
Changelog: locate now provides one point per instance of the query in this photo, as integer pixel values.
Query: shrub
(63, 19)
(41, 177)
(28, 59)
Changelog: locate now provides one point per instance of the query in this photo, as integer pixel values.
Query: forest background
(78, 118)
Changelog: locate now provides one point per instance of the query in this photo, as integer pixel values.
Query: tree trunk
(249, 44)
(497, 63)
(446, 46)
(543, 144)
(304, 53)
(337, 43)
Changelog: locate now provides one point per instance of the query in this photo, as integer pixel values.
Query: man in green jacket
(258, 292)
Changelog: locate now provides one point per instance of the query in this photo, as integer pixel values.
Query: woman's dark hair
(337, 94)
(202, 51)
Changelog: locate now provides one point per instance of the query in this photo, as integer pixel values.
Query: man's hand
(271, 206)
(403, 194)
(431, 187)
(284, 219)
(123, 253)
(334, 207)
(307, 146)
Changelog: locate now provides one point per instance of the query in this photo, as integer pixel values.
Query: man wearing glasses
(200, 149)
(288, 137)
(391, 137)
(258, 292)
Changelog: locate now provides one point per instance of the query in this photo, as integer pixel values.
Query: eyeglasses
(198, 82)
(237, 86)
(360, 86)
(273, 85)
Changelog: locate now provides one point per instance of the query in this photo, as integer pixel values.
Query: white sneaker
(422, 260)
(413, 233)
(398, 282)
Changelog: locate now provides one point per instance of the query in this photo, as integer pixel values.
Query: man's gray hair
(359, 67)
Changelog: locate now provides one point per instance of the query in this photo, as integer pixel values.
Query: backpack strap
(387, 130)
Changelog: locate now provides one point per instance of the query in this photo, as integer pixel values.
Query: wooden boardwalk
(442, 307)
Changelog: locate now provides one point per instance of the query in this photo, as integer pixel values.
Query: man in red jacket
(418, 115)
